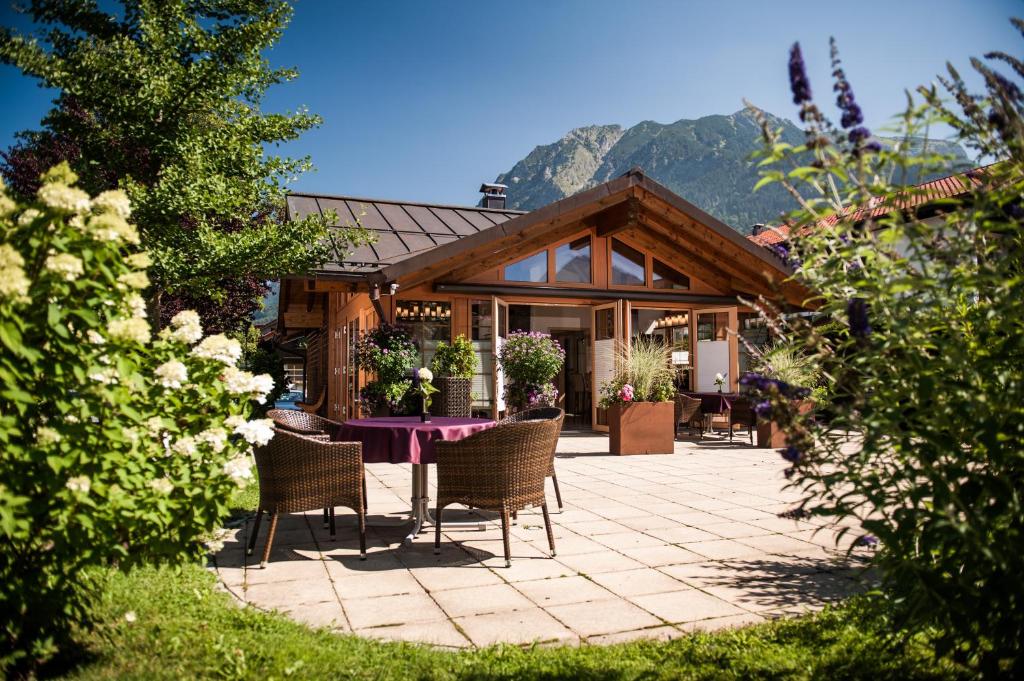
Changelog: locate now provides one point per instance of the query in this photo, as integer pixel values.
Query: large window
(665, 277)
(482, 330)
(533, 269)
(427, 322)
(628, 265)
(572, 261)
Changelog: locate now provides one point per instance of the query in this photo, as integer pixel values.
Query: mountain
(706, 161)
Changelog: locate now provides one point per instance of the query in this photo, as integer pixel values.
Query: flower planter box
(770, 436)
(641, 428)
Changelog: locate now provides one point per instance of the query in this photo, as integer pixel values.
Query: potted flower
(422, 386)
(389, 353)
(639, 400)
(720, 381)
(453, 367)
(781, 373)
(530, 360)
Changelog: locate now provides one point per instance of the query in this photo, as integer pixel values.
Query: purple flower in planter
(857, 314)
(791, 454)
(798, 82)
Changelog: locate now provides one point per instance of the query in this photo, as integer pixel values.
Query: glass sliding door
(606, 322)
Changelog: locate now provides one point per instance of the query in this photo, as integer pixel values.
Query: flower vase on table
(421, 382)
(720, 381)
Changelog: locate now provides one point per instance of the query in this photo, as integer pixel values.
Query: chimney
(757, 229)
(494, 195)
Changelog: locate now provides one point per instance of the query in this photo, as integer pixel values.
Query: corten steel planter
(770, 436)
(641, 428)
(454, 397)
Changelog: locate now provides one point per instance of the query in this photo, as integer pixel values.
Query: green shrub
(457, 360)
(118, 449)
(260, 360)
(924, 452)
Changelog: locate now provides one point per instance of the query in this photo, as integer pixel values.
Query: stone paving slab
(648, 547)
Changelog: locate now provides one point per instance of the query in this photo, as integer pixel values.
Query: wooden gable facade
(626, 258)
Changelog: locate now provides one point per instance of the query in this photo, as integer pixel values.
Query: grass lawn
(184, 628)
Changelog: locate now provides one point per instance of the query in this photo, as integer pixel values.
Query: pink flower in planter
(626, 393)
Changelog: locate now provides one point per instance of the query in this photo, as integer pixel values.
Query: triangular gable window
(667, 278)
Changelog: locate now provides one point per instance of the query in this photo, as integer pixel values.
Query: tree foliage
(924, 452)
(163, 99)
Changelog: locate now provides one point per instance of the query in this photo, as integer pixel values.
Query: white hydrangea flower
(95, 337)
(129, 330)
(137, 280)
(154, 425)
(28, 217)
(214, 545)
(240, 382)
(113, 201)
(239, 468)
(13, 282)
(72, 418)
(63, 198)
(69, 267)
(172, 374)
(111, 227)
(215, 438)
(425, 374)
(185, 445)
(47, 436)
(107, 376)
(7, 205)
(130, 616)
(136, 304)
(161, 486)
(234, 421)
(185, 328)
(139, 260)
(256, 432)
(79, 483)
(220, 348)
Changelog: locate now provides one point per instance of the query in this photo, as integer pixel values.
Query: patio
(647, 547)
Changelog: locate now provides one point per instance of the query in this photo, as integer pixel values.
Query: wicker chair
(299, 473)
(741, 412)
(313, 407)
(688, 414)
(499, 469)
(535, 414)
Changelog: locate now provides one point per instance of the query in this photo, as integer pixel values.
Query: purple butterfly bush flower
(868, 540)
(763, 409)
(791, 454)
(859, 134)
(857, 315)
(798, 82)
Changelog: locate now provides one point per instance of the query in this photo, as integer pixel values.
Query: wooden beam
(304, 320)
(672, 254)
(328, 286)
(617, 218)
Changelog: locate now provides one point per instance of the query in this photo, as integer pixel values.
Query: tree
(922, 454)
(162, 99)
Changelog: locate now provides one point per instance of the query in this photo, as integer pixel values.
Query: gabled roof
(917, 197)
(402, 229)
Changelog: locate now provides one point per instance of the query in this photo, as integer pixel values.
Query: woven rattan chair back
(301, 422)
(537, 414)
(688, 413)
(500, 469)
(299, 473)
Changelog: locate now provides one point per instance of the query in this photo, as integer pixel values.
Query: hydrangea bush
(388, 352)
(530, 360)
(923, 453)
(118, 447)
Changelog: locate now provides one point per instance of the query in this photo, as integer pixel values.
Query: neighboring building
(623, 259)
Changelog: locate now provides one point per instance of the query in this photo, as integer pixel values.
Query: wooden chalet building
(623, 259)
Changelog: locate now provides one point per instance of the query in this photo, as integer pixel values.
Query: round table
(407, 439)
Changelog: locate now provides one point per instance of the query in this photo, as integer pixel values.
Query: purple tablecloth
(405, 439)
(714, 403)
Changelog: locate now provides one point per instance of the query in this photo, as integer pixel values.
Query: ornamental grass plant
(643, 373)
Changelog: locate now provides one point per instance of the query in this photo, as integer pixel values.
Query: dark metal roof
(402, 229)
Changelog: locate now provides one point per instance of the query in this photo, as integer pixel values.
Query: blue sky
(424, 100)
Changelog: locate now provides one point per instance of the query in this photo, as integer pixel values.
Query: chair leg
(437, 530)
(366, 501)
(730, 432)
(326, 517)
(504, 537)
(332, 523)
(547, 526)
(270, 540)
(558, 492)
(362, 534)
(255, 532)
